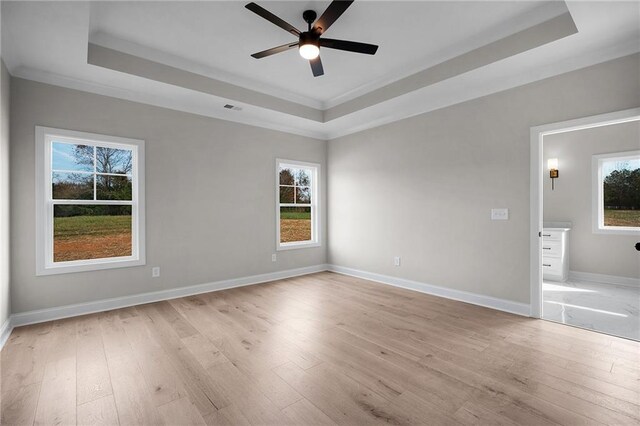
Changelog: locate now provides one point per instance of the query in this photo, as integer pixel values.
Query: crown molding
(530, 38)
(178, 99)
(543, 13)
(105, 40)
(466, 87)
(116, 60)
(493, 78)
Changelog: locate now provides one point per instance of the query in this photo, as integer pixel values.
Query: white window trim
(44, 204)
(597, 195)
(315, 206)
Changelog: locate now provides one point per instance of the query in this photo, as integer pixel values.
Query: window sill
(617, 231)
(293, 246)
(83, 266)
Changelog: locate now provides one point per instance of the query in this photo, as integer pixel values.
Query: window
(90, 201)
(616, 193)
(297, 204)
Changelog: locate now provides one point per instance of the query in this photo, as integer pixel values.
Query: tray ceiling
(194, 56)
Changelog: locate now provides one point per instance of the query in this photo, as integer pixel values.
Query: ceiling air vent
(232, 107)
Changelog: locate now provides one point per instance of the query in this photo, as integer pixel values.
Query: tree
(622, 189)
(286, 177)
(109, 163)
(108, 160)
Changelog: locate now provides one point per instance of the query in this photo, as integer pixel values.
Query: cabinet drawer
(551, 235)
(551, 248)
(551, 265)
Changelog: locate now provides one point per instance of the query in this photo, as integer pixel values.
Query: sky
(610, 166)
(62, 158)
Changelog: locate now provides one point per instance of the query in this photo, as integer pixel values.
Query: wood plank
(18, 406)
(57, 401)
(261, 376)
(93, 380)
(63, 340)
(24, 356)
(230, 415)
(204, 350)
(473, 413)
(344, 401)
(318, 349)
(205, 393)
(134, 403)
(98, 412)
(305, 413)
(180, 325)
(163, 382)
(241, 391)
(180, 412)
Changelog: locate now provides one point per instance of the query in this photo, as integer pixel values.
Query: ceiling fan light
(309, 51)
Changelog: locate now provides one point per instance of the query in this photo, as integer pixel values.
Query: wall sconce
(552, 165)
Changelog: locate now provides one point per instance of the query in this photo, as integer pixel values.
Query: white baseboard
(67, 311)
(463, 296)
(5, 332)
(605, 279)
(50, 314)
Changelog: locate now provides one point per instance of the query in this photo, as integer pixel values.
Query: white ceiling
(222, 35)
(47, 41)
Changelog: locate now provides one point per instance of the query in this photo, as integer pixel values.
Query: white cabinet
(555, 254)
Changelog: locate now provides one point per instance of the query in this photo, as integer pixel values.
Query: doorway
(585, 223)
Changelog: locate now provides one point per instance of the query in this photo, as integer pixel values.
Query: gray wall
(571, 200)
(210, 196)
(5, 88)
(422, 188)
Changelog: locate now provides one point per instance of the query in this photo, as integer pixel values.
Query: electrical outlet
(396, 261)
(155, 272)
(274, 257)
(499, 214)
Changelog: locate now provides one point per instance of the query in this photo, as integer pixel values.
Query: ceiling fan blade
(261, 11)
(316, 67)
(333, 12)
(350, 46)
(274, 50)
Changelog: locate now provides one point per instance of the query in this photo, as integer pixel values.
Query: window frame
(44, 138)
(597, 194)
(315, 205)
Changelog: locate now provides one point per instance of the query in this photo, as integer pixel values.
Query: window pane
(303, 195)
(72, 186)
(286, 177)
(91, 232)
(113, 187)
(621, 188)
(295, 224)
(303, 177)
(110, 160)
(286, 194)
(71, 157)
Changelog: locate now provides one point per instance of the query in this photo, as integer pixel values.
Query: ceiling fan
(310, 41)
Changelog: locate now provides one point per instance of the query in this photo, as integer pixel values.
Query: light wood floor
(319, 349)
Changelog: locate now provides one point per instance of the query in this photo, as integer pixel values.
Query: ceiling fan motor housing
(309, 37)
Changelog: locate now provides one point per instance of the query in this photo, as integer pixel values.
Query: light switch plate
(499, 214)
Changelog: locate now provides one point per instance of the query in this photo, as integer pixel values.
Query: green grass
(622, 217)
(295, 215)
(73, 226)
